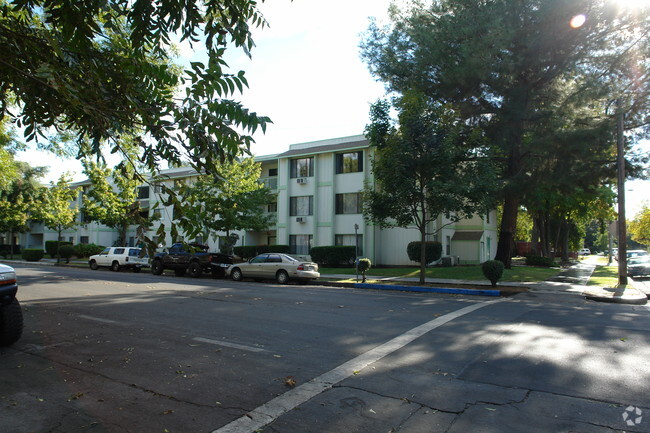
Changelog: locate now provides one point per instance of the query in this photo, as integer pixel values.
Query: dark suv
(11, 316)
(193, 259)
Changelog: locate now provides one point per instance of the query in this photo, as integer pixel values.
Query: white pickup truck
(117, 258)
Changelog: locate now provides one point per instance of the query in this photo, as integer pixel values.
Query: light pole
(620, 169)
(356, 250)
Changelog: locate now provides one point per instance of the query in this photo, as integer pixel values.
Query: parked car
(638, 266)
(637, 253)
(584, 252)
(117, 258)
(280, 267)
(193, 260)
(11, 315)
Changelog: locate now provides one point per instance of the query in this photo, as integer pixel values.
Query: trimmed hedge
(250, 251)
(432, 252)
(66, 251)
(5, 249)
(32, 254)
(87, 250)
(539, 261)
(333, 255)
(493, 270)
(51, 247)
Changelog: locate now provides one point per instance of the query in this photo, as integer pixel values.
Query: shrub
(364, 265)
(281, 249)
(87, 250)
(51, 247)
(32, 254)
(493, 271)
(66, 251)
(5, 250)
(432, 252)
(539, 261)
(333, 255)
(246, 252)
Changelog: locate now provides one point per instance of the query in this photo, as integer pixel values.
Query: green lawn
(605, 276)
(516, 274)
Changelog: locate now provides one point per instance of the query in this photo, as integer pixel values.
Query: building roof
(467, 236)
(326, 146)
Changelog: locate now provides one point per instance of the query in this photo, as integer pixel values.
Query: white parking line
(227, 344)
(270, 411)
(96, 319)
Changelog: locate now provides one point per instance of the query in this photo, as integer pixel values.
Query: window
(143, 192)
(349, 162)
(273, 172)
(303, 167)
(487, 218)
(274, 258)
(300, 244)
(448, 246)
(134, 252)
(118, 251)
(348, 203)
(349, 240)
(84, 240)
(301, 206)
(272, 207)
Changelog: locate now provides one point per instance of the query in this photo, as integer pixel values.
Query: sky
(307, 75)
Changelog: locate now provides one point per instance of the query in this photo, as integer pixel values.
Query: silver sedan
(280, 267)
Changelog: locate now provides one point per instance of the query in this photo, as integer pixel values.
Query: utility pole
(620, 166)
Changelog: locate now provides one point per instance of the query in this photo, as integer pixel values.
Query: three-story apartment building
(318, 187)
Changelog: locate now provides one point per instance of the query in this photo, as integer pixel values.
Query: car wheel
(236, 274)
(282, 277)
(93, 265)
(137, 269)
(115, 266)
(195, 270)
(157, 268)
(179, 272)
(11, 323)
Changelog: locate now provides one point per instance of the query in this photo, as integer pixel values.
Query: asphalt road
(123, 352)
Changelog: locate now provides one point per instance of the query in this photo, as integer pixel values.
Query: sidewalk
(571, 280)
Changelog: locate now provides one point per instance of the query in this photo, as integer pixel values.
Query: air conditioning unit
(302, 180)
(301, 220)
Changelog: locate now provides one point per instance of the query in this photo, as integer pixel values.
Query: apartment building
(318, 188)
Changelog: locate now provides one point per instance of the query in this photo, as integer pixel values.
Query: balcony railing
(270, 182)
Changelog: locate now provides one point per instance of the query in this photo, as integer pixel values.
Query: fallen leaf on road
(290, 381)
(167, 412)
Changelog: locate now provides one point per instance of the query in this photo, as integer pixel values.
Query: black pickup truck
(11, 315)
(193, 259)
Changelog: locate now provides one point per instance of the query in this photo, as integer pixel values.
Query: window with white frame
(301, 205)
(351, 162)
(349, 240)
(300, 244)
(302, 167)
(349, 203)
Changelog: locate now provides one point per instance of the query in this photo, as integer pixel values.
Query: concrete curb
(630, 295)
(407, 288)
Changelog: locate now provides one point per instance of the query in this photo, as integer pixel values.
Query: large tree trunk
(507, 231)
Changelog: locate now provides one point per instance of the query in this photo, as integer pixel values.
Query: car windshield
(639, 260)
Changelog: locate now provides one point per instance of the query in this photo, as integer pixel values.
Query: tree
(19, 196)
(58, 211)
(103, 69)
(639, 227)
(114, 203)
(426, 166)
(230, 199)
(509, 65)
